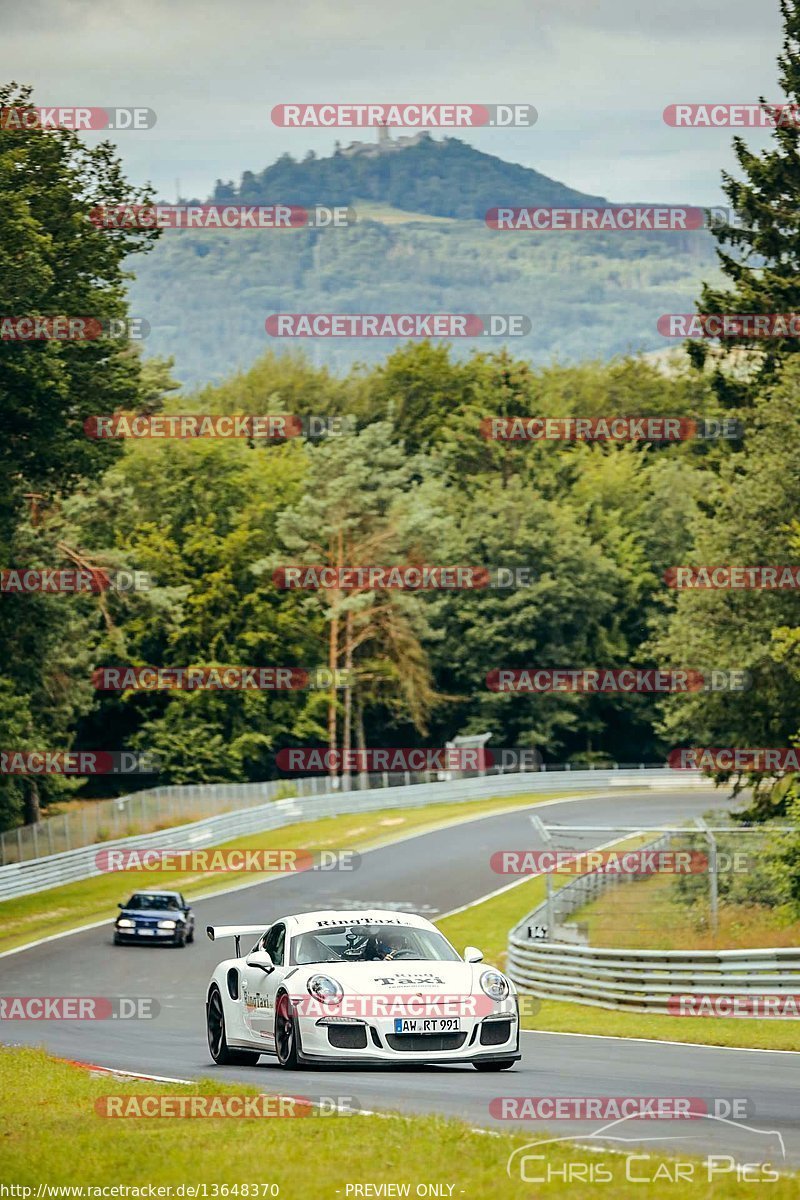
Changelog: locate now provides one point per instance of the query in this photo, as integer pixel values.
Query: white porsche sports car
(349, 987)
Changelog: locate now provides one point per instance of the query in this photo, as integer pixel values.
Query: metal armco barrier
(22, 878)
(644, 980)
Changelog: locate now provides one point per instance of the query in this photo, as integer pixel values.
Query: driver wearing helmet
(369, 944)
(390, 943)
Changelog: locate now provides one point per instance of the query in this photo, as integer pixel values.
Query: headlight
(323, 988)
(494, 984)
(124, 923)
(167, 924)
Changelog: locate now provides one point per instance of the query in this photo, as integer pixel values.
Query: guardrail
(22, 878)
(645, 980)
(636, 980)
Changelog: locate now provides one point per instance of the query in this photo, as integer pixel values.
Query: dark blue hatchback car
(150, 917)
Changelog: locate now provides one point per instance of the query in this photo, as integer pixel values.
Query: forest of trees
(445, 178)
(412, 479)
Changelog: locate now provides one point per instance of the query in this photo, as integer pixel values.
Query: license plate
(146, 932)
(427, 1025)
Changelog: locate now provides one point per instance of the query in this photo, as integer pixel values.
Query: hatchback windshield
(145, 900)
(371, 943)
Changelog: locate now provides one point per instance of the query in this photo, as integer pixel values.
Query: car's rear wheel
(217, 1041)
(287, 1035)
(500, 1064)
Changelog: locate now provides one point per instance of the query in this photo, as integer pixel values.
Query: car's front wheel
(287, 1034)
(180, 937)
(500, 1064)
(221, 1052)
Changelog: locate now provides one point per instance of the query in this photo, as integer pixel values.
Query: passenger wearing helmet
(357, 945)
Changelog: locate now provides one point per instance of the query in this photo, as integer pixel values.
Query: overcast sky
(600, 72)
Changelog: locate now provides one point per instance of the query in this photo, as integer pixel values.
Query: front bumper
(144, 935)
(370, 1040)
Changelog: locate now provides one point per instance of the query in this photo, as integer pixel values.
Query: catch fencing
(51, 870)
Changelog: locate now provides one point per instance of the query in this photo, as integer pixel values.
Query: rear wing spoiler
(236, 932)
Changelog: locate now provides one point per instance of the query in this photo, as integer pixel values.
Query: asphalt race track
(433, 873)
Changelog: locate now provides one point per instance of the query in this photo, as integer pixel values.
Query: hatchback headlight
(167, 924)
(124, 923)
(323, 988)
(494, 984)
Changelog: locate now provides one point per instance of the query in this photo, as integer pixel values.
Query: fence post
(550, 924)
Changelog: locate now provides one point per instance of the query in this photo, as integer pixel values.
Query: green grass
(374, 210)
(57, 1138)
(650, 912)
(487, 924)
(59, 909)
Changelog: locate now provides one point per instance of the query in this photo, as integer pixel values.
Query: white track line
(617, 1037)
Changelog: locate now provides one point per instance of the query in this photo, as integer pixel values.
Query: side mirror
(120, 905)
(473, 955)
(260, 958)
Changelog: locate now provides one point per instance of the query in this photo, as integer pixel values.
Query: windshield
(145, 900)
(371, 943)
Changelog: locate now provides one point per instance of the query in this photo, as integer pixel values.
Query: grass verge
(63, 908)
(649, 912)
(486, 925)
(56, 1138)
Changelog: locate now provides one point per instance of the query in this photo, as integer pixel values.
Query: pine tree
(760, 247)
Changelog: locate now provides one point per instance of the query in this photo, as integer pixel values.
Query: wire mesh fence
(158, 808)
